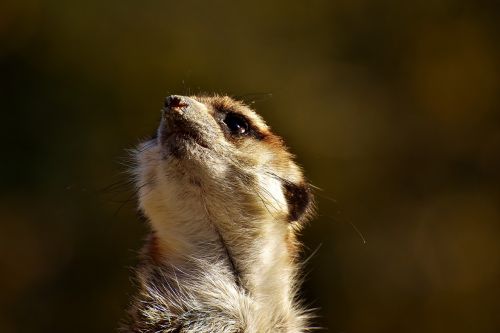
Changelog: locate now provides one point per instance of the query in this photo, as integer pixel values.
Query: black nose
(175, 101)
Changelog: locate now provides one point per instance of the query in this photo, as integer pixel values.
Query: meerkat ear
(299, 200)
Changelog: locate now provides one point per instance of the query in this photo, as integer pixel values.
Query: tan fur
(223, 251)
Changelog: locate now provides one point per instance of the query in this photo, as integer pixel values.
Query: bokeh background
(391, 106)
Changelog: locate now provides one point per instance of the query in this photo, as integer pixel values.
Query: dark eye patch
(298, 197)
(237, 124)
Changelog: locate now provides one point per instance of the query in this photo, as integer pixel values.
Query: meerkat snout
(175, 101)
(185, 121)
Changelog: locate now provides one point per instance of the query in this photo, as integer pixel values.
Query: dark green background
(392, 107)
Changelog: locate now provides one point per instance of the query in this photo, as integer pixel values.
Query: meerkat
(225, 201)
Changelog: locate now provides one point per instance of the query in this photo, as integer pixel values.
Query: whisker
(358, 232)
(363, 239)
(309, 257)
(131, 197)
(252, 98)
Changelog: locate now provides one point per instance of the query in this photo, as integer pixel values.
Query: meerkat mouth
(183, 137)
(176, 127)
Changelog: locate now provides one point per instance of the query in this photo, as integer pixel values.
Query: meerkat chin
(225, 201)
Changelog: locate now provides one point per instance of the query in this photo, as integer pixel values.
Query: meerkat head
(214, 159)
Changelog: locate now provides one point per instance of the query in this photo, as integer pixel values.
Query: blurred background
(391, 106)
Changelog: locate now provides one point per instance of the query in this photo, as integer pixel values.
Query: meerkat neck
(259, 267)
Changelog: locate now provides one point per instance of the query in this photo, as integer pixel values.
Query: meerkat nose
(175, 102)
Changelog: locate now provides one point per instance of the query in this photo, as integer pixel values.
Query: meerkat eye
(236, 123)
